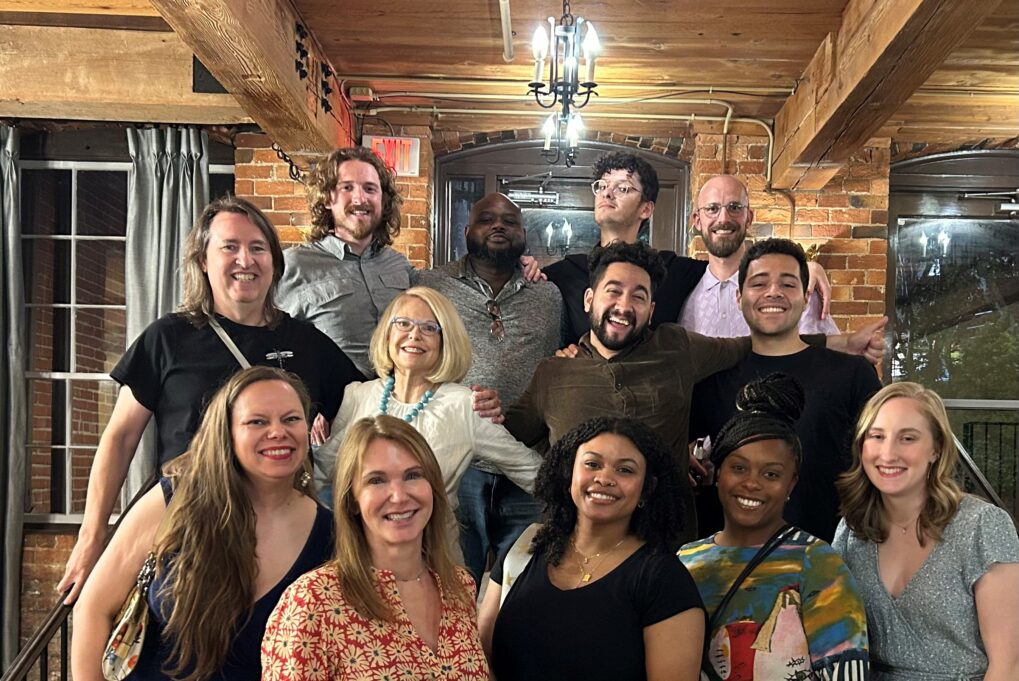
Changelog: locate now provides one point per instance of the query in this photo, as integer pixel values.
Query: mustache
(628, 315)
(727, 225)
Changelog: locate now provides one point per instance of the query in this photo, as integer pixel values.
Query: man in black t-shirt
(625, 192)
(772, 282)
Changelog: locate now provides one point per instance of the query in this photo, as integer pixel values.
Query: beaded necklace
(387, 392)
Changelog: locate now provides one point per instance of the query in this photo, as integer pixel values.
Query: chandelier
(563, 88)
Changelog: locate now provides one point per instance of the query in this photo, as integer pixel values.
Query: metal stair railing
(977, 476)
(36, 650)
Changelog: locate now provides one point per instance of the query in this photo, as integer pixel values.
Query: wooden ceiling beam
(104, 75)
(130, 8)
(859, 77)
(250, 48)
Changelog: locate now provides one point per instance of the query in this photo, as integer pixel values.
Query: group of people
(480, 416)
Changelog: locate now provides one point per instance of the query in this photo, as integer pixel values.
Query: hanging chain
(294, 171)
(567, 18)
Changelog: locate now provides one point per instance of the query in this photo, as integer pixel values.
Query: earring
(641, 503)
(305, 479)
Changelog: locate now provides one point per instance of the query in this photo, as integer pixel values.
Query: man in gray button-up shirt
(343, 278)
(513, 325)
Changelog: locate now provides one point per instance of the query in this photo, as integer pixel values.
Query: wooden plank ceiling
(751, 53)
(656, 55)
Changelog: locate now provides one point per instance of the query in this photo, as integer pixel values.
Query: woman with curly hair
(599, 594)
(392, 603)
(241, 528)
(796, 614)
(938, 569)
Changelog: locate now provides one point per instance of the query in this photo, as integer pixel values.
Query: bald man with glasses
(722, 217)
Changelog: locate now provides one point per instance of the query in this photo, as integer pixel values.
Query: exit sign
(399, 153)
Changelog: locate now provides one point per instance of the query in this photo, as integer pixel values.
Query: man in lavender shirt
(722, 217)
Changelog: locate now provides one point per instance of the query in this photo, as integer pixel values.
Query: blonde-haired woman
(391, 603)
(938, 569)
(241, 528)
(420, 350)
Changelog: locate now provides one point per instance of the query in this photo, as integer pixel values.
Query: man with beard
(772, 285)
(624, 368)
(625, 191)
(722, 218)
(344, 276)
(513, 324)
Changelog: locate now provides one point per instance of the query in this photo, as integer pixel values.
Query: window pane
(47, 418)
(100, 274)
(45, 412)
(463, 192)
(46, 202)
(957, 306)
(91, 406)
(992, 439)
(220, 184)
(48, 332)
(100, 341)
(102, 203)
(47, 269)
(553, 233)
(41, 480)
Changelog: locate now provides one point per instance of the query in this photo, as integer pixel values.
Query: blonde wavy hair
(352, 559)
(861, 502)
(322, 181)
(198, 303)
(454, 351)
(207, 554)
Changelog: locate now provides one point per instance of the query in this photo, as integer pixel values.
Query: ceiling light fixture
(563, 88)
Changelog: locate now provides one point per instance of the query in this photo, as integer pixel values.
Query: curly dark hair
(624, 160)
(759, 249)
(659, 522)
(768, 409)
(639, 254)
(322, 180)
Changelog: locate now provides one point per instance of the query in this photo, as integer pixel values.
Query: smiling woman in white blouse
(421, 350)
(938, 569)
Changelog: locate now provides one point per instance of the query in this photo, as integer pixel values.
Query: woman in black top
(231, 264)
(601, 595)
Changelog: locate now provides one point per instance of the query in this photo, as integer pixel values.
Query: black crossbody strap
(776, 539)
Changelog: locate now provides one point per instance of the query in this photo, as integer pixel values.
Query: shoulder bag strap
(762, 553)
(516, 560)
(229, 343)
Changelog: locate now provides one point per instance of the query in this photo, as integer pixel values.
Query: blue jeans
(493, 512)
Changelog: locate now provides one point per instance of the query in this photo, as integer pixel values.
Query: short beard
(502, 257)
(598, 329)
(726, 246)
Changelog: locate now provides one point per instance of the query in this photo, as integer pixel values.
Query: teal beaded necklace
(387, 392)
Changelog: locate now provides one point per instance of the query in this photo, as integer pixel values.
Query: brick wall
(42, 565)
(848, 219)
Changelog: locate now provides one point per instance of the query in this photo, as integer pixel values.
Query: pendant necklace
(585, 574)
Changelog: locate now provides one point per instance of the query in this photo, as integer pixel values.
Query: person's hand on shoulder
(570, 351)
(486, 402)
(532, 270)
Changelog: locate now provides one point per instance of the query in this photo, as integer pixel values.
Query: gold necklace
(585, 574)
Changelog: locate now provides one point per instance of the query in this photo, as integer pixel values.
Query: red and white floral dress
(315, 634)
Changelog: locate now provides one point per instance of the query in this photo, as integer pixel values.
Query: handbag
(124, 647)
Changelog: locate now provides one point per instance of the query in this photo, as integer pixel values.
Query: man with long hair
(347, 272)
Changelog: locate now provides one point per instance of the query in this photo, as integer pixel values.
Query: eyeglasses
(733, 208)
(621, 188)
(498, 329)
(427, 326)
